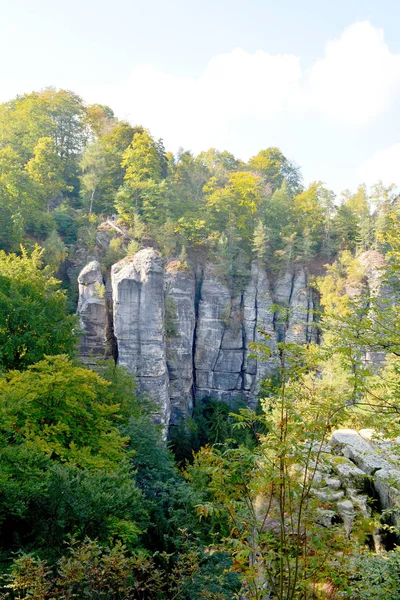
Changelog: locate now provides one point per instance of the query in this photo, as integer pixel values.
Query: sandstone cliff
(138, 313)
(182, 332)
(96, 338)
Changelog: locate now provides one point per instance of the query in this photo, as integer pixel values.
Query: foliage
(213, 422)
(33, 317)
(65, 468)
(264, 494)
(372, 576)
(90, 495)
(276, 169)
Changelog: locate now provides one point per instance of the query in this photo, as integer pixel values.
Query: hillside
(199, 369)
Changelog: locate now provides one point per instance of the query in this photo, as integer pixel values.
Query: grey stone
(351, 476)
(349, 443)
(95, 341)
(325, 517)
(384, 476)
(327, 495)
(138, 299)
(180, 293)
(347, 513)
(333, 484)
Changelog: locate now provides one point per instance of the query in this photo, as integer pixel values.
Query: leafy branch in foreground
(265, 497)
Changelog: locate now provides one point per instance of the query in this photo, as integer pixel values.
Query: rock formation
(139, 329)
(96, 338)
(180, 289)
(376, 459)
(184, 334)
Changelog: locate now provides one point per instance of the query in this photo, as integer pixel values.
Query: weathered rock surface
(219, 344)
(185, 336)
(382, 468)
(139, 328)
(259, 326)
(349, 443)
(95, 341)
(181, 320)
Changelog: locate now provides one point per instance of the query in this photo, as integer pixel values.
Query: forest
(95, 502)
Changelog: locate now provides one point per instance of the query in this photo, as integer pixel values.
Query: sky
(320, 80)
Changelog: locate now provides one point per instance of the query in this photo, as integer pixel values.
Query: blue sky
(321, 80)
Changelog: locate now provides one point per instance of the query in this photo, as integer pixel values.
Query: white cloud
(357, 78)
(198, 113)
(353, 83)
(383, 165)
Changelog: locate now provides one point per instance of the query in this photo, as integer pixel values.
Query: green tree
(235, 205)
(144, 190)
(46, 169)
(33, 316)
(261, 499)
(359, 204)
(260, 242)
(64, 465)
(100, 119)
(21, 203)
(55, 251)
(276, 169)
(102, 172)
(312, 210)
(62, 410)
(345, 229)
(58, 114)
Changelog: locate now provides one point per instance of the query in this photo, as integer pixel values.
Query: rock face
(258, 316)
(180, 289)
(219, 345)
(139, 310)
(184, 334)
(378, 461)
(95, 341)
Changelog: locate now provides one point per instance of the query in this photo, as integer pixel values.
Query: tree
(64, 468)
(58, 114)
(55, 251)
(260, 242)
(62, 410)
(345, 229)
(21, 203)
(33, 316)
(312, 209)
(100, 119)
(261, 499)
(46, 169)
(102, 173)
(276, 169)
(219, 163)
(142, 160)
(94, 169)
(143, 181)
(235, 205)
(359, 205)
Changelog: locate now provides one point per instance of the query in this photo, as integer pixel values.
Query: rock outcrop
(139, 327)
(219, 345)
(184, 335)
(378, 461)
(180, 289)
(96, 337)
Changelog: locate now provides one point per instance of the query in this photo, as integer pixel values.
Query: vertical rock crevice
(180, 289)
(198, 275)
